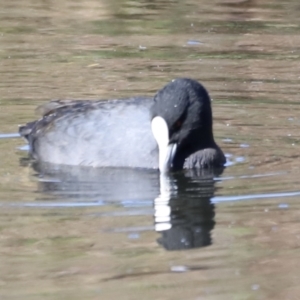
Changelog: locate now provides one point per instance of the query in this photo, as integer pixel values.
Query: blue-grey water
(70, 233)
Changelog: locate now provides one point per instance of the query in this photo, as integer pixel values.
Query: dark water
(69, 233)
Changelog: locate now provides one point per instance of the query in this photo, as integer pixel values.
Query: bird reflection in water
(183, 212)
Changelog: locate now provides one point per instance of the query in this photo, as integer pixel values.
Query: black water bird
(171, 131)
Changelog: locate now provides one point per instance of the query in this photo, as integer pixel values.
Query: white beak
(166, 150)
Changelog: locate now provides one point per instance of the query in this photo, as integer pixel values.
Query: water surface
(69, 233)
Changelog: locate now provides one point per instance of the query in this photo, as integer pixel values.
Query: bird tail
(25, 130)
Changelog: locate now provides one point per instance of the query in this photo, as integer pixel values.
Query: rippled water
(132, 234)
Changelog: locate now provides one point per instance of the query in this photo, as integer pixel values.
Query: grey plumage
(117, 133)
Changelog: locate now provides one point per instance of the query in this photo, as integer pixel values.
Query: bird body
(79, 132)
(119, 133)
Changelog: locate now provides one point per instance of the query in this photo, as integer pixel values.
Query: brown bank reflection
(183, 212)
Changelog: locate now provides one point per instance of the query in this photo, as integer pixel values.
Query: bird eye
(177, 125)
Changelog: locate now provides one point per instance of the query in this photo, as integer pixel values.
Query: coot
(171, 131)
